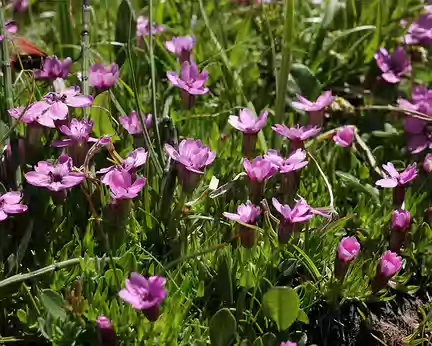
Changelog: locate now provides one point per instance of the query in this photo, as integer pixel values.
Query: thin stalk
(84, 49)
(153, 84)
(8, 89)
(286, 61)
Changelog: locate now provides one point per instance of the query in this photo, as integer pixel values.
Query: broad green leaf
(102, 119)
(305, 79)
(303, 317)
(54, 304)
(282, 304)
(223, 327)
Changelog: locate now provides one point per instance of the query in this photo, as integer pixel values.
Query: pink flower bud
(348, 249)
(106, 333)
(401, 220)
(390, 264)
(427, 163)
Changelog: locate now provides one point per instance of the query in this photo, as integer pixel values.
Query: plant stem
(284, 70)
(7, 79)
(84, 49)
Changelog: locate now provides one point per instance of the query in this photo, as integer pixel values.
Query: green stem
(8, 88)
(284, 70)
(84, 50)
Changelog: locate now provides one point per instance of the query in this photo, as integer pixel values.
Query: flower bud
(427, 163)
(401, 220)
(389, 265)
(106, 333)
(348, 250)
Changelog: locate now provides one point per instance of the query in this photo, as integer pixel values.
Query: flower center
(55, 178)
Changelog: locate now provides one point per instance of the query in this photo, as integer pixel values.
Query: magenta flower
(53, 68)
(122, 186)
(348, 249)
(102, 78)
(20, 5)
(106, 333)
(395, 66)
(191, 81)
(143, 27)
(247, 122)
(401, 220)
(78, 133)
(390, 264)
(132, 163)
(192, 157)
(246, 213)
(395, 178)
(288, 343)
(10, 203)
(11, 28)
(315, 109)
(344, 137)
(132, 123)
(260, 169)
(145, 294)
(420, 32)
(427, 163)
(295, 162)
(181, 46)
(55, 178)
(298, 134)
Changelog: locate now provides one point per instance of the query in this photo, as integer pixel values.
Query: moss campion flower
(192, 157)
(122, 185)
(78, 133)
(297, 135)
(102, 77)
(347, 251)
(389, 265)
(20, 5)
(132, 124)
(315, 109)
(143, 27)
(295, 162)
(250, 125)
(53, 68)
(427, 163)
(394, 66)
(55, 177)
(420, 32)
(246, 213)
(10, 204)
(182, 47)
(400, 224)
(288, 343)
(106, 333)
(145, 294)
(344, 137)
(258, 171)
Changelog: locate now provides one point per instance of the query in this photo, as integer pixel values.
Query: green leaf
(101, 117)
(22, 316)
(367, 188)
(282, 304)
(125, 30)
(269, 339)
(258, 342)
(54, 304)
(302, 317)
(223, 328)
(307, 82)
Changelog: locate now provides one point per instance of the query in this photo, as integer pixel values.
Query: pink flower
(247, 121)
(55, 178)
(143, 27)
(102, 77)
(78, 133)
(297, 134)
(106, 333)
(390, 264)
(260, 169)
(181, 46)
(145, 294)
(344, 137)
(10, 204)
(348, 249)
(53, 68)
(395, 178)
(395, 66)
(54, 107)
(20, 5)
(246, 213)
(191, 80)
(300, 213)
(325, 100)
(295, 162)
(401, 220)
(427, 163)
(122, 186)
(288, 343)
(11, 28)
(132, 123)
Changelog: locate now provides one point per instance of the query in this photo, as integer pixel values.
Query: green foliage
(223, 328)
(282, 305)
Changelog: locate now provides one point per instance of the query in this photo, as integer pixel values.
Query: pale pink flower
(345, 137)
(348, 249)
(10, 204)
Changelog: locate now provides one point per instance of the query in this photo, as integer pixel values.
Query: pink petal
(58, 111)
(37, 179)
(3, 215)
(388, 183)
(232, 216)
(81, 101)
(15, 208)
(13, 197)
(62, 143)
(137, 186)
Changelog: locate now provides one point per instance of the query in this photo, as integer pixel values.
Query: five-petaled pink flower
(55, 178)
(247, 122)
(260, 169)
(395, 178)
(315, 109)
(401, 220)
(145, 294)
(390, 264)
(394, 66)
(132, 123)
(122, 186)
(102, 77)
(78, 133)
(53, 68)
(181, 46)
(10, 203)
(344, 137)
(295, 162)
(348, 249)
(143, 27)
(298, 134)
(246, 213)
(191, 81)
